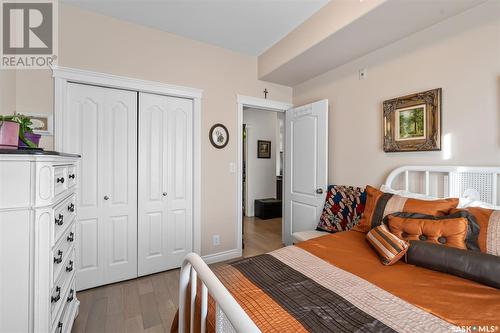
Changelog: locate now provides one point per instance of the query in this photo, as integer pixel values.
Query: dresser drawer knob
(60, 219)
(72, 176)
(57, 297)
(71, 237)
(71, 207)
(60, 180)
(58, 259)
(71, 296)
(69, 268)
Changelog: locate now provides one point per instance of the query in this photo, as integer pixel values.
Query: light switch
(232, 167)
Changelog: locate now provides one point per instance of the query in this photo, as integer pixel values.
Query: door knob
(164, 194)
(319, 191)
(106, 197)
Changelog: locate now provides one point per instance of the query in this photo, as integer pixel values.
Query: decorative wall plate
(219, 136)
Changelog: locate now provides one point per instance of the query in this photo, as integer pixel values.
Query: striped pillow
(388, 247)
(489, 228)
(380, 204)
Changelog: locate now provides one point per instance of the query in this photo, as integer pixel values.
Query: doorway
(262, 180)
(260, 174)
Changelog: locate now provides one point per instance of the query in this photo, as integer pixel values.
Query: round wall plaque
(219, 136)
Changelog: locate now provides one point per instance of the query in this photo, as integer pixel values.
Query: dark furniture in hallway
(267, 208)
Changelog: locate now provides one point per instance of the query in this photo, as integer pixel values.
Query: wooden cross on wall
(265, 93)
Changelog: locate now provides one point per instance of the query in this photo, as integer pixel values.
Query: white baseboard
(221, 256)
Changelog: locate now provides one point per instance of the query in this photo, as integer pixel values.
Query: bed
(336, 283)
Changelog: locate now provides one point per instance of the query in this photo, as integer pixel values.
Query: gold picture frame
(413, 122)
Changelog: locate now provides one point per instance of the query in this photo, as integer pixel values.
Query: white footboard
(194, 268)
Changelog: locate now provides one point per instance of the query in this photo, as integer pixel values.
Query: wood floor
(148, 304)
(261, 236)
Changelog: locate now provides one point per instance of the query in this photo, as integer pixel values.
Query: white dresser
(37, 241)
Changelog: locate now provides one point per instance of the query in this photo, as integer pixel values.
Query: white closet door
(101, 125)
(165, 182)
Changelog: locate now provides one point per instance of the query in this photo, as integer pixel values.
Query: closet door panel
(101, 125)
(180, 156)
(153, 166)
(120, 183)
(82, 121)
(121, 139)
(153, 234)
(88, 258)
(165, 173)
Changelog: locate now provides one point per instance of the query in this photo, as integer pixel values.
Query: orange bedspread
(456, 300)
(336, 257)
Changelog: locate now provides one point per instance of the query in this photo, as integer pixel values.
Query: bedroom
(339, 51)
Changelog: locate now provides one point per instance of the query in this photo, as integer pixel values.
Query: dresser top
(36, 152)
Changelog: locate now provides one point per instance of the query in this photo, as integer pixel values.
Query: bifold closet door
(165, 220)
(101, 125)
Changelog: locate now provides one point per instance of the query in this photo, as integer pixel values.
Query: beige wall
(7, 91)
(98, 43)
(460, 55)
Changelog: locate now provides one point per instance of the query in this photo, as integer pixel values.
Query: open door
(306, 167)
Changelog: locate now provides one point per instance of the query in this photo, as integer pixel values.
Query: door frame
(264, 105)
(63, 75)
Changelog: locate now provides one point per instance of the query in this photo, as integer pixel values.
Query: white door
(306, 167)
(101, 125)
(165, 182)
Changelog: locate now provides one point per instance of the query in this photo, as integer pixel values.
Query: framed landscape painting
(413, 122)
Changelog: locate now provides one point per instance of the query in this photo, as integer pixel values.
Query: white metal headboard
(480, 183)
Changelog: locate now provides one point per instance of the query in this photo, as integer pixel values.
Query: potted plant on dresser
(15, 131)
(27, 139)
(9, 132)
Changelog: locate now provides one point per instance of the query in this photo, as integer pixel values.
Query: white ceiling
(246, 26)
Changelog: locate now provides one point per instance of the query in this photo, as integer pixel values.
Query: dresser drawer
(54, 182)
(71, 176)
(64, 322)
(64, 214)
(62, 251)
(62, 287)
(60, 179)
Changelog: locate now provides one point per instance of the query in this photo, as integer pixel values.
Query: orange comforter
(456, 300)
(337, 283)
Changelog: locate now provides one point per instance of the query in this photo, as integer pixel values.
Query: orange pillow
(489, 228)
(380, 204)
(450, 231)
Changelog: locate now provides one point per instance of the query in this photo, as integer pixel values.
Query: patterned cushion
(389, 247)
(380, 204)
(489, 228)
(343, 208)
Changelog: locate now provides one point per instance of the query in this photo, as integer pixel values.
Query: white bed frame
(476, 183)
